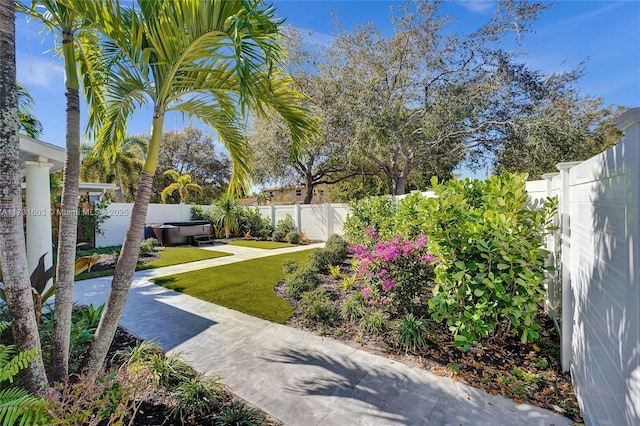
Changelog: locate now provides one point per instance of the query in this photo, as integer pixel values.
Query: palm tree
(13, 254)
(226, 212)
(211, 59)
(182, 184)
(121, 167)
(29, 124)
(58, 17)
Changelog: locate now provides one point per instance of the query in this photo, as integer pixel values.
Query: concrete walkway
(298, 377)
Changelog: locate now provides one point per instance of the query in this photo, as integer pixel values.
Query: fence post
(329, 219)
(296, 212)
(567, 307)
(273, 215)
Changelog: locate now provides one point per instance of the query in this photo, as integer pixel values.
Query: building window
(322, 192)
(271, 194)
(298, 192)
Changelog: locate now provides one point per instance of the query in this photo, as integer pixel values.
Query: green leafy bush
(316, 305)
(303, 279)
(289, 266)
(278, 236)
(256, 225)
(334, 252)
(409, 332)
(238, 415)
(148, 246)
(371, 212)
(491, 264)
(293, 237)
(286, 225)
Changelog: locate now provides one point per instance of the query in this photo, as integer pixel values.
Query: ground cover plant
(266, 245)
(243, 286)
(151, 259)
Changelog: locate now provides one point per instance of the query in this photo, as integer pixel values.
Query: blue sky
(605, 33)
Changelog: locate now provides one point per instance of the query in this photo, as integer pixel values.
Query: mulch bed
(528, 373)
(156, 408)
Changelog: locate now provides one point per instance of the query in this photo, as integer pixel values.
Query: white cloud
(316, 38)
(478, 6)
(44, 72)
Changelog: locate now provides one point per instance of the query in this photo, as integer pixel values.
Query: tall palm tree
(122, 167)
(13, 254)
(182, 184)
(211, 59)
(64, 21)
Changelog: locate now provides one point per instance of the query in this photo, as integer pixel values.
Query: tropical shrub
(316, 305)
(303, 279)
(285, 226)
(256, 225)
(17, 405)
(293, 237)
(489, 278)
(148, 246)
(409, 332)
(371, 212)
(334, 252)
(398, 273)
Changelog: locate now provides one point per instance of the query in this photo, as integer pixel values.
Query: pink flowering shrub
(397, 272)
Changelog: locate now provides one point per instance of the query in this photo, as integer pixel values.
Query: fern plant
(17, 406)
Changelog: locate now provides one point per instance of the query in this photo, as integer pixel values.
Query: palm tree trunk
(123, 275)
(13, 256)
(68, 234)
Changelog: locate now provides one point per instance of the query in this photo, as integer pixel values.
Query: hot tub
(179, 233)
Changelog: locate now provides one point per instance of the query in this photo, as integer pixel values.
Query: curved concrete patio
(298, 377)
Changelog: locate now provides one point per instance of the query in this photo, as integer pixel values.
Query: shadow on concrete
(150, 314)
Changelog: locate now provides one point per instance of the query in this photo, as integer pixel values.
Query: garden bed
(528, 373)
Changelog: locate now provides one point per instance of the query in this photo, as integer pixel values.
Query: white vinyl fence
(595, 295)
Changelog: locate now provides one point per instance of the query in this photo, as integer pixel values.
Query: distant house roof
(249, 201)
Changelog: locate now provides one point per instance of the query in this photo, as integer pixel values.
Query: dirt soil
(528, 373)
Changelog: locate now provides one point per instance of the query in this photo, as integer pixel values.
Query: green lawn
(267, 245)
(168, 257)
(244, 286)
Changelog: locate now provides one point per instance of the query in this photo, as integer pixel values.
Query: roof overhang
(36, 150)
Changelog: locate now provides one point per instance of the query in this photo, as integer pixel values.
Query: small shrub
(353, 308)
(303, 238)
(278, 236)
(374, 323)
(237, 414)
(319, 260)
(302, 280)
(371, 212)
(334, 270)
(316, 306)
(348, 282)
(289, 266)
(409, 332)
(139, 354)
(148, 246)
(338, 247)
(170, 371)
(286, 225)
(196, 398)
(256, 225)
(293, 237)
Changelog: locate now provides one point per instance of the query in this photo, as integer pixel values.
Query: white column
(552, 283)
(298, 217)
(38, 211)
(567, 293)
